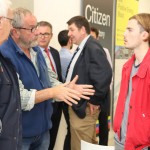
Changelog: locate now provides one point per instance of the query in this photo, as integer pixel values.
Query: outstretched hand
(63, 93)
(85, 91)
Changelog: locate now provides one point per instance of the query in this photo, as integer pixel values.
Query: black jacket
(10, 107)
(93, 68)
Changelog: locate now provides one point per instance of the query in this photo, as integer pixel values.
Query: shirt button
(15, 138)
(17, 109)
(130, 107)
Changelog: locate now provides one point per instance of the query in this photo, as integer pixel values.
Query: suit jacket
(93, 68)
(56, 58)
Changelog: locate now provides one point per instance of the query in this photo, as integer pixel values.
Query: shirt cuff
(31, 101)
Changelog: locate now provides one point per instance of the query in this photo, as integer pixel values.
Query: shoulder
(92, 46)
(93, 43)
(52, 49)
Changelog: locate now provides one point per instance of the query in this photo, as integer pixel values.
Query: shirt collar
(42, 49)
(83, 42)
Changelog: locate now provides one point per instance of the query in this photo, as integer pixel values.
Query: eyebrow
(129, 28)
(45, 33)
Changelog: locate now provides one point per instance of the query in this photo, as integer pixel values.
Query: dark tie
(74, 55)
(48, 54)
(71, 60)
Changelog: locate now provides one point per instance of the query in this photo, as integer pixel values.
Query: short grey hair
(19, 14)
(4, 6)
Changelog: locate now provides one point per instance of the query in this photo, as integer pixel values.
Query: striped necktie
(48, 54)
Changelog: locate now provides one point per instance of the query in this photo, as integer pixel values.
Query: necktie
(74, 55)
(48, 54)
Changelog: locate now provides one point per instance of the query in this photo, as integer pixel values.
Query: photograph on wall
(125, 9)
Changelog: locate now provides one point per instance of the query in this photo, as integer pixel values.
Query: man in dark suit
(44, 38)
(91, 64)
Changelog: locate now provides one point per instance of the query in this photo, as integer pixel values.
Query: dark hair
(80, 21)
(45, 23)
(63, 37)
(93, 29)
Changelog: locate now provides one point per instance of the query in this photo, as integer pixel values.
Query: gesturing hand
(85, 91)
(93, 108)
(63, 93)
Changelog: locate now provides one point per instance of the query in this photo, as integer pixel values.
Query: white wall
(144, 6)
(57, 12)
(23, 3)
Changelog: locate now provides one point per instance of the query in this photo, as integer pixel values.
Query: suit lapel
(78, 62)
(80, 57)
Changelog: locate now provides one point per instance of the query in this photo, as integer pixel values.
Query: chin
(33, 44)
(126, 46)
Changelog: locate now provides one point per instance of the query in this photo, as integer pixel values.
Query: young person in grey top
(132, 121)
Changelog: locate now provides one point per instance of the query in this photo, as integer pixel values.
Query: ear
(51, 35)
(145, 35)
(83, 31)
(15, 33)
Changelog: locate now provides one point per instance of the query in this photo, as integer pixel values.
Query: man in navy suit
(44, 38)
(91, 64)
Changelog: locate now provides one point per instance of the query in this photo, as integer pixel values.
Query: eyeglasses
(32, 30)
(10, 19)
(45, 35)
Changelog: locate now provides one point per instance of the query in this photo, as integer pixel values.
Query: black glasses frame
(32, 29)
(46, 35)
(10, 19)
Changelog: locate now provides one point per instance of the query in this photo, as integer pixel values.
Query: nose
(69, 33)
(125, 33)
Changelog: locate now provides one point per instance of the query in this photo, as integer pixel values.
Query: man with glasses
(38, 78)
(44, 37)
(32, 30)
(10, 105)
